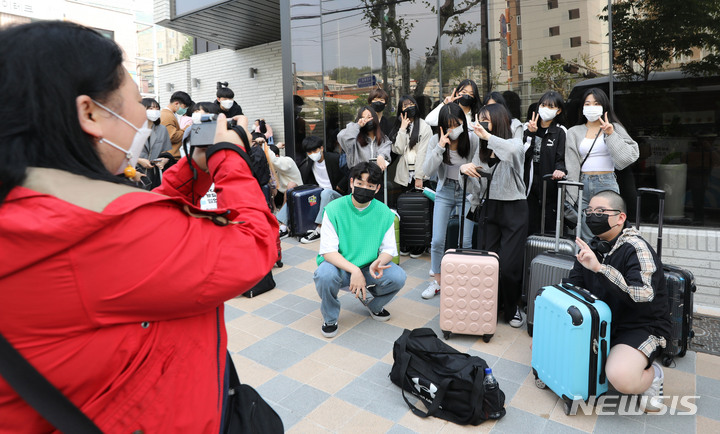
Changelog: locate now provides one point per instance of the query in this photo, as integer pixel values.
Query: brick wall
(698, 250)
(175, 73)
(259, 97)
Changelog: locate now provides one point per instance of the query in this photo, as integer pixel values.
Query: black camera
(203, 133)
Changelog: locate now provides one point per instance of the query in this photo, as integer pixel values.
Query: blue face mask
(181, 111)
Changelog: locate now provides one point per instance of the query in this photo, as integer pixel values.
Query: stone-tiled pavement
(341, 385)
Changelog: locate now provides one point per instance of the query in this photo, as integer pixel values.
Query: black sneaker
(329, 330)
(518, 320)
(284, 233)
(383, 315)
(311, 237)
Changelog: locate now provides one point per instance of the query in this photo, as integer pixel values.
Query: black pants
(534, 202)
(503, 230)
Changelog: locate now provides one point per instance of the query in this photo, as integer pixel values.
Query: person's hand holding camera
(223, 134)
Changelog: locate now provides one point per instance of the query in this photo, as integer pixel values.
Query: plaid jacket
(631, 281)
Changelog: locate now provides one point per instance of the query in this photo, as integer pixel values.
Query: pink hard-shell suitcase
(469, 291)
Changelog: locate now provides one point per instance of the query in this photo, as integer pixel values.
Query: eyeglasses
(597, 212)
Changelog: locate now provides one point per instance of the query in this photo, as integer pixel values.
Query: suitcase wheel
(279, 264)
(539, 383)
(486, 338)
(446, 335)
(567, 406)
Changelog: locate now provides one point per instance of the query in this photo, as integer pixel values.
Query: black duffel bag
(449, 383)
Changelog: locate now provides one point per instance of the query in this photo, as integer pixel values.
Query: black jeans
(503, 230)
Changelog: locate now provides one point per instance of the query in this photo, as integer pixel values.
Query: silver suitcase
(539, 243)
(550, 267)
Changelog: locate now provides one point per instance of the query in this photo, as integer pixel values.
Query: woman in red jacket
(114, 294)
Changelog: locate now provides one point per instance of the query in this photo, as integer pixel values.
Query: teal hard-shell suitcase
(571, 342)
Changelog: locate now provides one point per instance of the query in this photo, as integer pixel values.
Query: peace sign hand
(444, 139)
(453, 96)
(532, 123)
(361, 122)
(404, 121)
(606, 125)
(587, 257)
(479, 130)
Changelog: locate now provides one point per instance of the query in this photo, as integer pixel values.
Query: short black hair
(275, 150)
(297, 100)
(49, 64)
(373, 170)
(182, 97)
(207, 107)
(512, 100)
(616, 201)
(225, 92)
(311, 143)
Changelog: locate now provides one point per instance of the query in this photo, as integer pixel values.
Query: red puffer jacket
(116, 295)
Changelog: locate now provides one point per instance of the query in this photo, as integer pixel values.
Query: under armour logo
(424, 387)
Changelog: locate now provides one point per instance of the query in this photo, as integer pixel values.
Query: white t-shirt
(599, 159)
(321, 175)
(330, 242)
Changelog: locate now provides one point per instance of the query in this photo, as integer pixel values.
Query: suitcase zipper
(594, 339)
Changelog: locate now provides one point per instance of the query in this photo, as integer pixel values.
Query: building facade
(331, 53)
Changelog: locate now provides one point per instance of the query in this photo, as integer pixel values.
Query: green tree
(647, 34)
(560, 75)
(187, 49)
(393, 30)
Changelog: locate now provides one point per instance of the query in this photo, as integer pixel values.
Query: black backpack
(449, 383)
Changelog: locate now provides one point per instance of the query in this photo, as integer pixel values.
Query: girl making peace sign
(446, 152)
(596, 147)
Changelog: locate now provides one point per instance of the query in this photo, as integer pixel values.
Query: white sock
(283, 227)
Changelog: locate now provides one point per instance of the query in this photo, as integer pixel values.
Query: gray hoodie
(356, 153)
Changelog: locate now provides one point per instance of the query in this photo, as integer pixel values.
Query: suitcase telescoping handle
(661, 213)
(582, 292)
(545, 178)
(562, 186)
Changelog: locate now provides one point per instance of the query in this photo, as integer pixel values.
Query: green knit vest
(360, 232)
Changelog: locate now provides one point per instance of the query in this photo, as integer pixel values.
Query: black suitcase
(550, 267)
(680, 284)
(303, 204)
(415, 213)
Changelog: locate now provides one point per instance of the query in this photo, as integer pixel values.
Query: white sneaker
(653, 402)
(432, 274)
(311, 237)
(518, 320)
(431, 291)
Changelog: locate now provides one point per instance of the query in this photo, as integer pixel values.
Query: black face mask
(363, 195)
(485, 125)
(369, 126)
(410, 112)
(598, 224)
(378, 106)
(466, 100)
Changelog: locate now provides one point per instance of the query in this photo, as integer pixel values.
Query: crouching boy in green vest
(357, 244)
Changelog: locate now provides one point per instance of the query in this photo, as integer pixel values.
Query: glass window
(342, 49)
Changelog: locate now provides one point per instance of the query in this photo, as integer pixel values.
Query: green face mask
(181, 111)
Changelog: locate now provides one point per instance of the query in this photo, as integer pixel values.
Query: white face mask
(315, 156)
(226, 104)
(592, 112)
(141, 136)
(455, 132)
(153, 115)
(547, 114)
(197, 117)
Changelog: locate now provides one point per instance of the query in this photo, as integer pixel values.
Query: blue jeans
(594, 184)
(447, 199)
(327, 196)
(329, 279)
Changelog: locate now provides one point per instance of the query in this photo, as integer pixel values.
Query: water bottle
(491, 387)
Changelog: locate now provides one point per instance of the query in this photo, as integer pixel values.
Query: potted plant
(672, 177)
